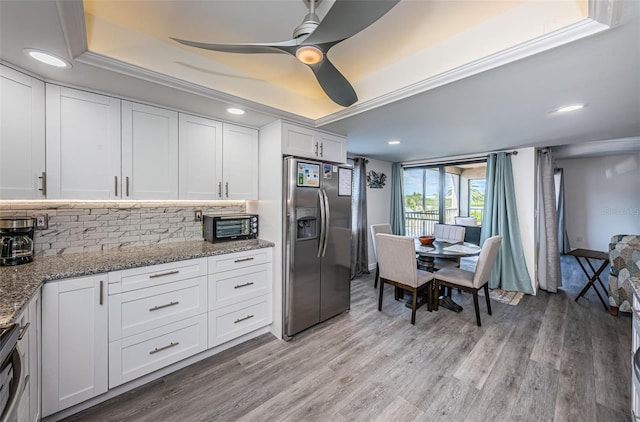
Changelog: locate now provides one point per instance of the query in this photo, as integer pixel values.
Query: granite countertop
(19, 283)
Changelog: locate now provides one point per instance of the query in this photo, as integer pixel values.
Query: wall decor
(376, 180)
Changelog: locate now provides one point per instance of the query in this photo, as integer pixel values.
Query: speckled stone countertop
(19, 283)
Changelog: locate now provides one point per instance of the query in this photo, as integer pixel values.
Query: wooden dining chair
(375, 229)
(397, 263)
(472, 281)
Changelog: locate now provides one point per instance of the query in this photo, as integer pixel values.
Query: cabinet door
(83, 144)
(200, 158)
(149, 152)
(240, 162)
(74, 342)
(299, 141)
(21, 135)
(332, 148)
(29, 346)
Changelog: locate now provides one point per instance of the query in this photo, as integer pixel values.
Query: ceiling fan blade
(274, 47)
(348, 17)
(334, 84)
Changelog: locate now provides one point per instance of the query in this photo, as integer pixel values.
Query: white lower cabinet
(74, 342)
(240, 301)
(156, 316)
(29, 346)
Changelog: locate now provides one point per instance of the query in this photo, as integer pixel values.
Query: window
(439, 194)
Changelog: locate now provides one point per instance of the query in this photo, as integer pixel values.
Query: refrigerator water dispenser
(307, 223)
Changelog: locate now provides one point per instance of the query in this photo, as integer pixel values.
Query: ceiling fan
(313, 39)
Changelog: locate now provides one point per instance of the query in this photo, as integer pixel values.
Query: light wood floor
(546, 359)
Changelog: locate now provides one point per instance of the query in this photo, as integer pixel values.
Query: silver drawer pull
(166, 305)
(237, 286)
(243, 319)
(244, 259)
(23, 331)
(163, 274)
(160, 349)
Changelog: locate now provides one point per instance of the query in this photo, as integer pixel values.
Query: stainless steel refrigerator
(317, 255)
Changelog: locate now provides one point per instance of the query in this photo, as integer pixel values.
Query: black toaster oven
(220, 228)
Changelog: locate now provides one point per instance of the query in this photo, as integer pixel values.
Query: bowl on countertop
(426, 240)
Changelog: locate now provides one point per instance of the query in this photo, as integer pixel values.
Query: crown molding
(71, 16)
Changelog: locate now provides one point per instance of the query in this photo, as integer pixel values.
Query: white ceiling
(444, 78)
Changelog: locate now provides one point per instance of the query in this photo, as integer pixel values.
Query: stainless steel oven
(220, 228)
(11, 373)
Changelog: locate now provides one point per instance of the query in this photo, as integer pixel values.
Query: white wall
(378, 203)
(602, 199)
(524, 180)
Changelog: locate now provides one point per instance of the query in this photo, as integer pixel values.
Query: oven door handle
(16, 387)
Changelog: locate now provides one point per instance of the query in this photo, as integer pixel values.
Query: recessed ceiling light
(569, 108)
(394, 142)
(47, 58)
(237, 111)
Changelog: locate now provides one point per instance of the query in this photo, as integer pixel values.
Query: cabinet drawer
(140, 278)
(236, 260)
(138, 355)
(233, 321)
(230, 287)
(141, 310)
(635, 324)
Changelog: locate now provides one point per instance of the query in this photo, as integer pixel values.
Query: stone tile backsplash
(88, 226)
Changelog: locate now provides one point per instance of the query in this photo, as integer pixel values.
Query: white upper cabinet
(240, 162)
(83, 144)
(149, 152)
(306, 142)
(22, 141)
(200, 158)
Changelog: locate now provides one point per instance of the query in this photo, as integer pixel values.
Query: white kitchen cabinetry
(240, 162)
(200, 158)
(240, 299)
(310, 143)
(74, 341)
(149, 152)
(29, 346)
(157, 316)
(83, 144)
(22, 141)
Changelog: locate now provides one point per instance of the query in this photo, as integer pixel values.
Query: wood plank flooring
(546, 359)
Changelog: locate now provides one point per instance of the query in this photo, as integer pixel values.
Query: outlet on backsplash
(41, 221)
(198, 215)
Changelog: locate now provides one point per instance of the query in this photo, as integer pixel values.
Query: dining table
(426, 255)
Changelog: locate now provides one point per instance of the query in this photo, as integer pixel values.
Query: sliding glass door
(439, 194)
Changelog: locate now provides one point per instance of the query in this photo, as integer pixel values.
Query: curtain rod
(454, 160)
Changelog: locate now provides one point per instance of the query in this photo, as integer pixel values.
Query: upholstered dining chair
(472, 281)
(450, 234)
(375, 229)
(397, 263)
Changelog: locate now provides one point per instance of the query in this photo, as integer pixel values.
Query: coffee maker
(16, 240)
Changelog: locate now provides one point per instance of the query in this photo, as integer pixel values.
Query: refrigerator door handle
(327, 219)
(322, 222)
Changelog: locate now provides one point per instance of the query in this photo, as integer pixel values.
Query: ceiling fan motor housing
(308, 25)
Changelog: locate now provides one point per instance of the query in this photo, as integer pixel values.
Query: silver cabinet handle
(244, 259)
(101, 291)
(220, 190)
(115, 184)
(166, 305)
(43, 178)
(237, 286)
(163, 274)
(160, 349)
(23, 331)
(127, 184)
(226, 189)
(243, 319)
(316, 149)
(321, 150)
